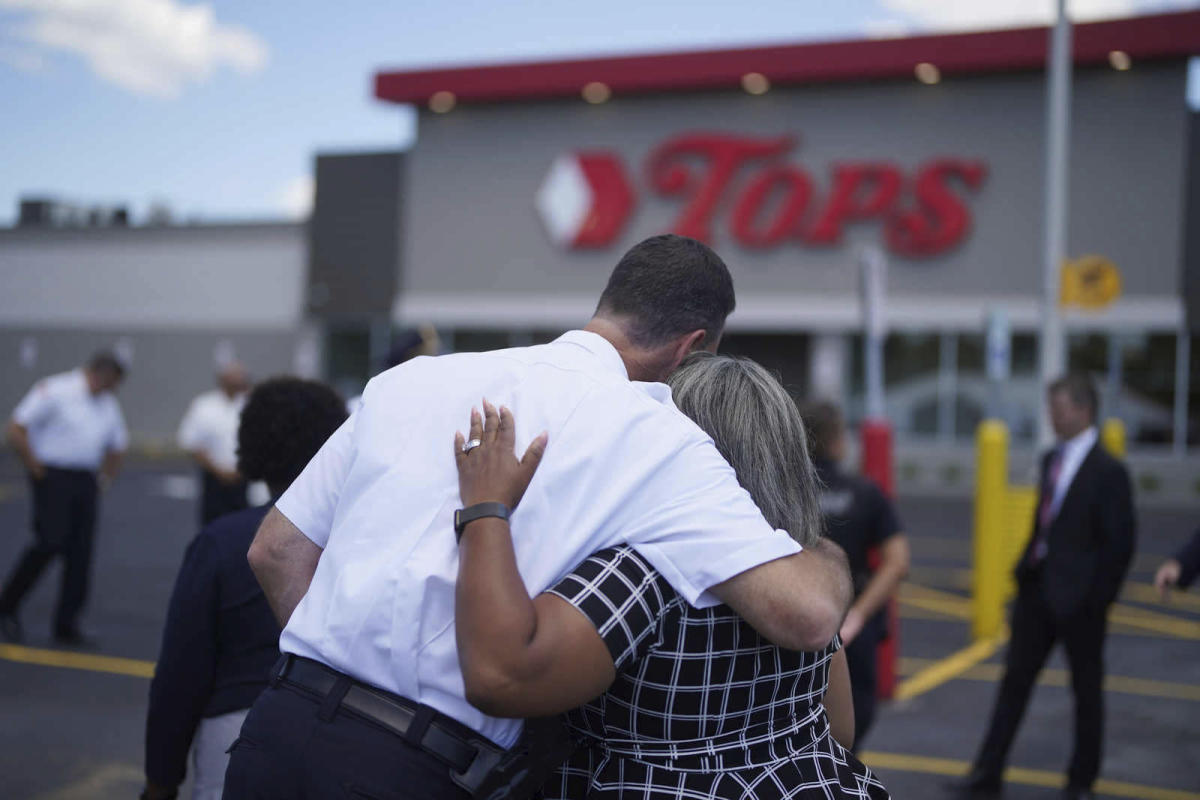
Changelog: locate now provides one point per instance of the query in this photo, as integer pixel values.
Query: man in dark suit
(1068, 576)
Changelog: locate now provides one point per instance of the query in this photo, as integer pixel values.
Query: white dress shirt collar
(1078, 445)
(1073, 452)
(598, 346)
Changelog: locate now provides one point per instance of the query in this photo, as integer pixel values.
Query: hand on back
(490, 472)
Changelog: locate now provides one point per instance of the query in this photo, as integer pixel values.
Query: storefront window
(786, 355)
(1147, 394)
(910, 369)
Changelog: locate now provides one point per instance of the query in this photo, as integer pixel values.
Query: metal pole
(1183, 355)
(947, 386)
(1058, 114)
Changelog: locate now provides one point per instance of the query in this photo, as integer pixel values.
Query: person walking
(359, 556)
(209, 432)
(1068, 576)
(70, 435)
(860, 518)
(1180, 571)
(220, 638)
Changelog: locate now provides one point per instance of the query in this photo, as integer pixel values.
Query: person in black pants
(1180, 571)
(858, 517)
(1068, 576)
(220, 637)
(67, 431)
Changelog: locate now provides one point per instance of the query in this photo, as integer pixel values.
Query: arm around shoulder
(797, 602)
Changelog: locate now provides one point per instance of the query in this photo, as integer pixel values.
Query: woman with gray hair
(664, 700)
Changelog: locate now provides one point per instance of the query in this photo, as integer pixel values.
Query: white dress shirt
(622, 465)
(68, 426)
(1074, 451)
(211, 425)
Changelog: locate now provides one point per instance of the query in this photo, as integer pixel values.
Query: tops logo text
(586, 199)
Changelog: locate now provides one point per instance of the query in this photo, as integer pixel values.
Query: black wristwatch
(478, 511)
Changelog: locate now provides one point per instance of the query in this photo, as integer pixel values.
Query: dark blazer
(1090, 541)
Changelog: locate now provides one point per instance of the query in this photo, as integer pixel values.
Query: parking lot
(71, 723)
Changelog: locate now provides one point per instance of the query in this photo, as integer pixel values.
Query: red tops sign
(586, 199)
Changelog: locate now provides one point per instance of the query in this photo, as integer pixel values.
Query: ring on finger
(471, 445)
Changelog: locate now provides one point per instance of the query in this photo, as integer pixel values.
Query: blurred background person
(1180, 571)
(407, 345)
(220, 638)
(209, 432)
(860, 518)
(70, 435)
(1068, 576)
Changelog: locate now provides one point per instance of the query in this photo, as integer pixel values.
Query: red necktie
(1045, 510)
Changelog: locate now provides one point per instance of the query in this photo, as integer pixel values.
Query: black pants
(296, 746)
(1034, 633)
(219, 499)
(861, 660)
(64, 524)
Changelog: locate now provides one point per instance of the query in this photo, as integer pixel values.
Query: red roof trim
(1158, 36)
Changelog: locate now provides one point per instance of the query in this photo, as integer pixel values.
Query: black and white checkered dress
(702, 706)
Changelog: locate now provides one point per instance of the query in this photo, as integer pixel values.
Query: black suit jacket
(1090, 541)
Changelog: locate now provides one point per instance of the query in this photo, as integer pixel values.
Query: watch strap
(478, 511)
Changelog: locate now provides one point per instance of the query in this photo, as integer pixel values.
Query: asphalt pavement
(71, 722)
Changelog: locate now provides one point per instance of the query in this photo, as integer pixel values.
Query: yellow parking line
(947, 669)
(110, 780)
(1021, 775)
(1146, 593)
(1061, 677)
(1154, 621)
(934, 600)
(71, 660)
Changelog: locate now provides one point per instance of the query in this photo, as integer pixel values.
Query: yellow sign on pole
(1090, 282)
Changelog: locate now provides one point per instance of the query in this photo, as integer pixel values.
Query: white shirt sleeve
(191, 433)
(35, 407)
(311, 501)
(704, 528)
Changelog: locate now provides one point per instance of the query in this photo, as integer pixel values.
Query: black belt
(468, 758)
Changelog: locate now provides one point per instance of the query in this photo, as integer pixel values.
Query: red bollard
(877, 464)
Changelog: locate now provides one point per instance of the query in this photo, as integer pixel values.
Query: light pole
(1058, 119)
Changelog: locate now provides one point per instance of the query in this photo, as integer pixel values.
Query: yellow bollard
(991, 516)
(1112, 434)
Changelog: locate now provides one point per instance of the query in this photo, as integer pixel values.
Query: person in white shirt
(209, 433)
(67, 431)
(359, 556)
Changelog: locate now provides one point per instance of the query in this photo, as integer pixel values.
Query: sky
(216, 109)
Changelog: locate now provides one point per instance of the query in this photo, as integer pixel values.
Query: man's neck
(638, 365)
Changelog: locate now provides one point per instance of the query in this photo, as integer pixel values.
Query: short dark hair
(824, 423)
(284, 423)
(1081, 390)
(106, 361)
(667, 286)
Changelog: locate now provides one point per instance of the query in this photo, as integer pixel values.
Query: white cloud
(296, 198)
(960, 15)
(153, 47)
(22, 58)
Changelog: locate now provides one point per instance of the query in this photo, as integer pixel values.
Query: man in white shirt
(359, 557)
(1070, 573)
(67, 430)
(209, 433)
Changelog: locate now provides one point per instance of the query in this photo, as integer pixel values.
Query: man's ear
(686, 345)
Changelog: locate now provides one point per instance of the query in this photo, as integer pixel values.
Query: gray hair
(758, 429)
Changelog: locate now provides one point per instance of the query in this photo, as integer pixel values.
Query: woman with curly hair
(221, 638)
